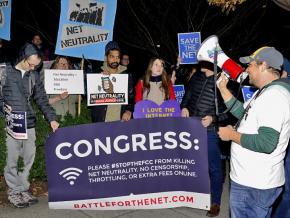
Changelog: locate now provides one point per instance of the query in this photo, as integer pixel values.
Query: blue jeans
(283, 207)
(216, 173)
(247, 202)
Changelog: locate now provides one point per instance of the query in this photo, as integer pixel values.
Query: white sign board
(107, 90)
(59, 81)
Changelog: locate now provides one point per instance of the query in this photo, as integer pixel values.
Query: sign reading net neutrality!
(86, 26)
(188, 45)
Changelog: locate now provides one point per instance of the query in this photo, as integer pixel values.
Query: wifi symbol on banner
(71, 174)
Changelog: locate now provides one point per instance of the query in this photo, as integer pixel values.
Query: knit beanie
(112, 45)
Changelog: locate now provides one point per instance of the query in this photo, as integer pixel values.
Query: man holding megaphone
(260, 137)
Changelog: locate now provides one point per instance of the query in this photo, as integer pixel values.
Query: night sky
(252, 25)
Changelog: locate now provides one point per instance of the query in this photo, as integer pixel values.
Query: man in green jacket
(260, 137)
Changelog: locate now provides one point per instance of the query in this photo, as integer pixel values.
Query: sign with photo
(188, 45)
(142, 164)
(15, 123)
(5, 19)
(107, 90)
(59, 81)
(86, 26)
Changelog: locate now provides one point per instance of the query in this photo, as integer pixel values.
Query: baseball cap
(112, 45)
(270, 55)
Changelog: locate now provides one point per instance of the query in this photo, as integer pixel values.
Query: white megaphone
(207, 51)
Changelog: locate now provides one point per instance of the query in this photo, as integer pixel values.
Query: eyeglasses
(31, 65)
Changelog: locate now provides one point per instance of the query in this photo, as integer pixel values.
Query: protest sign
(149, 109)
(59, 81)
(47, 64)
(5, 18)
(105, 90)
(86, 26)
(248, 92)
(188, 45)
(15, 123)
(139, 164)
(179, 92)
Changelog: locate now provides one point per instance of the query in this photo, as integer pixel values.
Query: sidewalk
(41, 210)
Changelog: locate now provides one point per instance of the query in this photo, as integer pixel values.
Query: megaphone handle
(215, 80)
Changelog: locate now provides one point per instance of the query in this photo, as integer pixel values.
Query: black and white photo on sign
(104, 89)
(86, 11)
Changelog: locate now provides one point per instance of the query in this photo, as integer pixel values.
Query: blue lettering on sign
(248, 92)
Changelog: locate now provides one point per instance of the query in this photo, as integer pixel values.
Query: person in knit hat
(111, 65)
(20, 85)
(110, 46)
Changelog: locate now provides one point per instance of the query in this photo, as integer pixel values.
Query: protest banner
(16, 125)
(105, 90)
(5, 19)
(59, 81)
(149, 109)
(188, 45)
(248, 92)
(179, 92)
(86, 26)
(139, 164)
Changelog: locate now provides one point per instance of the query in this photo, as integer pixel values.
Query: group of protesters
(259, 138)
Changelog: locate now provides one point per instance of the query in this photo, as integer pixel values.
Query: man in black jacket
(199, 101)
(21, 83)
(111, 65)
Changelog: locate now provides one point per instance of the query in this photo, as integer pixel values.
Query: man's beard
(113, 65)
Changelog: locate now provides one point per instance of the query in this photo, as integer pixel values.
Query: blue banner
(188, 45)
(5, 19)
(142, 163)
(85, 27)
(248, 92)
(179, 92)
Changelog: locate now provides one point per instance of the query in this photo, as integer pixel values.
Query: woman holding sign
(63, 103)
(155, 86)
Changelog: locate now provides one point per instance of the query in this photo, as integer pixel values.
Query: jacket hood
(26, 51)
